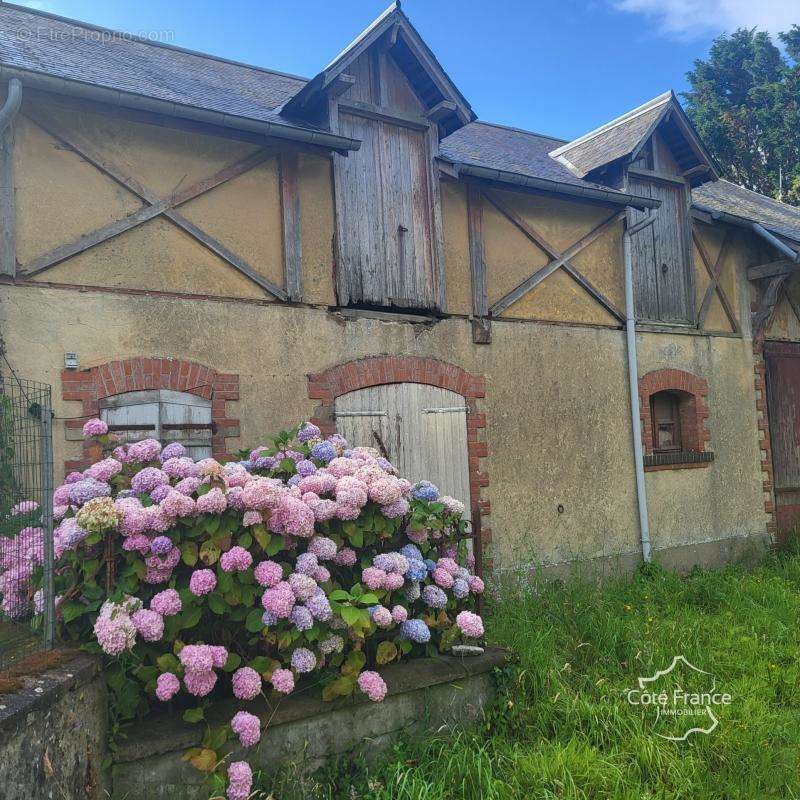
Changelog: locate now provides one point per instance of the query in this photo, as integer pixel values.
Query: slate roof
(615, 139)
(55, 46)
(730, 198)
(485, 144)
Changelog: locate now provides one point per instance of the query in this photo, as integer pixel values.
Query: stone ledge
(42, 691)
(166, 733)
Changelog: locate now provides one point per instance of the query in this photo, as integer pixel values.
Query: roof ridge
(626, 117)
(143, 40)
(519, 130)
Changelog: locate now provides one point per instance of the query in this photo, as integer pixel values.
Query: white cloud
(687, 19)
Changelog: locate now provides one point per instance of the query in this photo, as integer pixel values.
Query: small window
(161, 414)
(665, 413)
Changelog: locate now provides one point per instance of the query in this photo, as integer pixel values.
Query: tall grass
(561, 726)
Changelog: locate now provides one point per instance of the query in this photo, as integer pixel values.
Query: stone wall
(53, 735)
(427, 694)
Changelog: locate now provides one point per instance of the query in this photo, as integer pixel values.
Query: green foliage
(745, 103)
(561, 728)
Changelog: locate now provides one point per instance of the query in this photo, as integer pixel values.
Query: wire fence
(27, 609)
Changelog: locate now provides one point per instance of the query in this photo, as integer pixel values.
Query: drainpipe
(633, 381)
(12, 103)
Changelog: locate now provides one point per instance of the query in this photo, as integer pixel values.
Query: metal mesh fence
(26, 518)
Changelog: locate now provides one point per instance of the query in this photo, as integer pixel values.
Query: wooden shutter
(385, 222)
(422, 428)
(663, 285)
(161, 414)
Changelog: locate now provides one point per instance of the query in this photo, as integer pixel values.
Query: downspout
(12, 103)
(633, 381)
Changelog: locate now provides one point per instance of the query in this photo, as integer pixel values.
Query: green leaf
(167, 662)
(253, 622)
(193, 715)
(215, 737)
(189, 553)
(354, 663)
(212, 524)
(260, 664)
(233, 662)
(245, 540)
(71, 610)
(261, 535)
(287, 465)
(339, 595)
(387, 651)
(341, 687)
(274, 547)
(217, 604)
(368, 599)
(350, 615)
(209, 553)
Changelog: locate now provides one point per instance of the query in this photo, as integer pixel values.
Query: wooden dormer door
(387, 198)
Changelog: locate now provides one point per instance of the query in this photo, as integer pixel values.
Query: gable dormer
(388, 91)
(653, 152)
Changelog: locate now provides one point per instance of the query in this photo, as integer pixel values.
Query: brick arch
(136, 374)
(693, 415)
(362, 373)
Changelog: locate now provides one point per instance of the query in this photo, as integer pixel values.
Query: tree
(745, 103)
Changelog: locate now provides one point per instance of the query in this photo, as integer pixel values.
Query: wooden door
(663, 285)
(384, 216)
(783, 402)
(421, 429)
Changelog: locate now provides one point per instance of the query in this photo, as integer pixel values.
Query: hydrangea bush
(306, 563)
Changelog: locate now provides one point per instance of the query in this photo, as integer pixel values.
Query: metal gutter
(756, 227)
(633, 382)
(12, 104)
(115, 97)
(558, 187)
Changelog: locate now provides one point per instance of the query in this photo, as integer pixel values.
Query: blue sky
(559, 67)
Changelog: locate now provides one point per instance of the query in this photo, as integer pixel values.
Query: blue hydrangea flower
(323, 451)
(247, 464)
(302, 618)
(417, 571)
(265, 462)
(306, 467)
(430, 564)
(411, 552)
(307, 432)
(460, 588)
(425, 490)
(161, 545)
(319, 606)
(294, 480)
(413, 592)
(434, 597)
(268, 618)
(416, 630)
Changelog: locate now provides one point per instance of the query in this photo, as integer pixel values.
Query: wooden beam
(559, 260)
(477, 261)
(441, 111)
(340, 84)
(771, 269)
(766, 308)
(714, 285)
(8, 216)
(656, 175)
(359, 108)
(702, 216)
(290, 210)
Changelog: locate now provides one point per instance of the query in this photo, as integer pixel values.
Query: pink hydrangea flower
(373, 578)
(292, 516)
(247, 727)
(167, 686)
(322, 547)
(149, 624)
(176, 504)
(449, 565)
(321, 574)
(95, 427)
(213, 502)
(268, 573)
(219, 655)
(180, 467)
(283, 681)
(442, 578)
(397, 509)
(346, 557)
(399, 614)
(470, 624)
(202, 582)
(196, 658)
(381, 616)
(476, 585)
(104, 470)
(279, 600)
(200, 683)
(237, 559)
(167, 603)
(372, 685)
(252, 518)
(393, 581)
(261, 493)
(146, 450)
(303, 586)
(246, 683)
(240, 780)
(351, 492)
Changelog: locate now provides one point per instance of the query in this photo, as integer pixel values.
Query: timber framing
(168, 207)
(714, 271)
(558, 259)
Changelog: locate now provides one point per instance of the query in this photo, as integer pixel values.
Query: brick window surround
(377, 370)
(136, 374)
(693, 392)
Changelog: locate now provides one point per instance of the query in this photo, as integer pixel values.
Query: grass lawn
(562, 726)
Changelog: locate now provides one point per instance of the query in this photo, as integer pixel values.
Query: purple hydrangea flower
(147, 479)
(434, 597)
(308, 432)
(302, 618)
(416, 630)
(87, 489)
(303, 660)
(172, 450)
(161, 545)
(323, 451)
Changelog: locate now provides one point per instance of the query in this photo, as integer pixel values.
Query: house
(203, 250)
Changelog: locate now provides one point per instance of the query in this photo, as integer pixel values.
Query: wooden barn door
(783, 400)
(421, 429)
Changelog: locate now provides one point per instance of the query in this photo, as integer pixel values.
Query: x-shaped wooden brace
(559, 259)
(157, 206)
(714, 284)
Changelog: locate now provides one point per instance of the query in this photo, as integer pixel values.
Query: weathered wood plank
(480, 305)
(766, 308)
(291, 215)
(359, 108)
(770, 269)
(8, 214)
